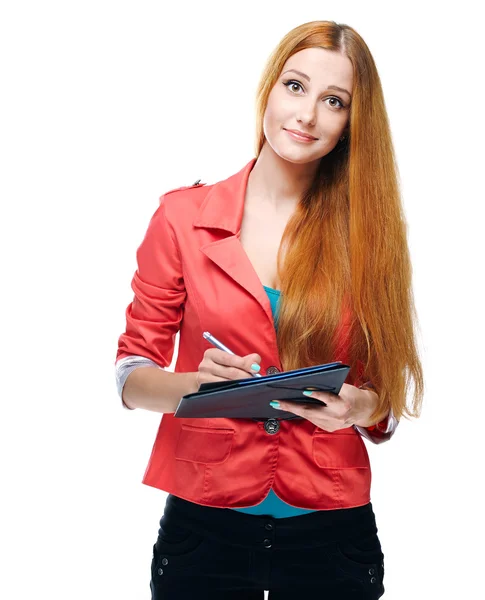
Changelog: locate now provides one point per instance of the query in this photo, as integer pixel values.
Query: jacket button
(269, 526)
(164, 561)
(271, 426)
(272, 370)
(373, 580)
(371, 571)
(267, 543)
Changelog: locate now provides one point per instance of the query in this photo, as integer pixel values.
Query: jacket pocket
(204, 444)
(339, 451)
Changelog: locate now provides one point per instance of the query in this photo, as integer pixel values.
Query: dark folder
(249, 398)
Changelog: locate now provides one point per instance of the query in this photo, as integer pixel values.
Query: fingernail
(275, 404)
(307, 393)
(255, 367)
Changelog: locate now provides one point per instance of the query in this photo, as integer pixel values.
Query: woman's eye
(291, 83)
(334, 98)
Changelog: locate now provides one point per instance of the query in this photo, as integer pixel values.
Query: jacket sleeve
(382, 431)
(124, 366)
(154, 315)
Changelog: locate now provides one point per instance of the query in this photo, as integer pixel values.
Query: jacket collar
(223, 206)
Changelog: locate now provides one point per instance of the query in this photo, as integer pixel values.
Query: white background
(104, 107)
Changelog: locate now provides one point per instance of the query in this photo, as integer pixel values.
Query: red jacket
(193, 276)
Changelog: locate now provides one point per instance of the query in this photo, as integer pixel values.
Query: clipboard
(249, 398)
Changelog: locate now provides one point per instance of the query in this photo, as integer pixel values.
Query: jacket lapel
(223, 209)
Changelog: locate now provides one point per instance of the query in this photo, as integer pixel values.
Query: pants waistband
(308, 530)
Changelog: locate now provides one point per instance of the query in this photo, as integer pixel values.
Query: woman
(298, 259)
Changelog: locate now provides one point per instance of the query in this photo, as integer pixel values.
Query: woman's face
(306, 101)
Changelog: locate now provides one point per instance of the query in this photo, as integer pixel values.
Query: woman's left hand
(352, 406)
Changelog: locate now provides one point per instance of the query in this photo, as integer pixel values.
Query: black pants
(206, 553)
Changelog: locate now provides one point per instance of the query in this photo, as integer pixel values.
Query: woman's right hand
(218, 365)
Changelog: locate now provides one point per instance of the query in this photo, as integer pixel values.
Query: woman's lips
(300, 138)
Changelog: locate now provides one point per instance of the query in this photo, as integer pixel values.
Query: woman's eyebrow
(330, 87)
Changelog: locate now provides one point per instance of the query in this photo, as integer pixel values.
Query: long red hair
(345, 246)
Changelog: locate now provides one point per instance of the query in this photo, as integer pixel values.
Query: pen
(215, 342)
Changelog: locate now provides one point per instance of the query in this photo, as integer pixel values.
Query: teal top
(272, 505)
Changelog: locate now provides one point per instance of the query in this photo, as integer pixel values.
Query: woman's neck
(277, 183)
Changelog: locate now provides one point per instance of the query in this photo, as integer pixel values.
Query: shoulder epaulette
(186, 187)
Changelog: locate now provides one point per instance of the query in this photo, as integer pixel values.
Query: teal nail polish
(307, 393)
(255, 367)
(274, 404)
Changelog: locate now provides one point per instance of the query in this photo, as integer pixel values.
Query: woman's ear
(345, 133)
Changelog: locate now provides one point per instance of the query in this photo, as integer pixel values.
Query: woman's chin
(299, 158)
